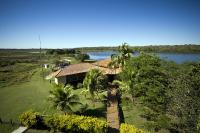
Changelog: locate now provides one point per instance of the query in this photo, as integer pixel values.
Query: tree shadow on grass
(97, 112)
(121, 114)
(112, 130)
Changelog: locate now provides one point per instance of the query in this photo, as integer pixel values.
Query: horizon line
(131, 45)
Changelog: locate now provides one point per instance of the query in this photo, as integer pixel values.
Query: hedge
(71, 123)
(126, 128)
(64, 123)
(75, 123)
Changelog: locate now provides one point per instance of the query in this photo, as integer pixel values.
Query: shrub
(126, 128)
(82, 57)
(75, 123)
(30, 118)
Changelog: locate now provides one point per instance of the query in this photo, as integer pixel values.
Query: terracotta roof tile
(85, 67)
(103, 63)
(75, 69)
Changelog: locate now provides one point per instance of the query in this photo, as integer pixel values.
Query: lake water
(176, 57)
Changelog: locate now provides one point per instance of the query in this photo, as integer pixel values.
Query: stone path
(20, 130)
(112, 111)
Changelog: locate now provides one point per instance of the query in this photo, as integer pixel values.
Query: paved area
(112, 111)
(20, 130)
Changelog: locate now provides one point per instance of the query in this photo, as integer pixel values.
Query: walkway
(20, 130)
(112, 111)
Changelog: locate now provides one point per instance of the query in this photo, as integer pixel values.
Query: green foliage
(126, 128)
(187, 48)
(60, 51)
(95, 81)
(115, 62)
(185, 99)
(145, 79)
(63, 98)
(123, 86)
(82, 57)
(124, 55)
(74, 123)
(30, 118)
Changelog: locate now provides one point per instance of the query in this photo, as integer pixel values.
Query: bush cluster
(82, 57)
(75, 123)
(30, 118)
(61, 51)
(64, 123)
(71, 123)
(126, 128)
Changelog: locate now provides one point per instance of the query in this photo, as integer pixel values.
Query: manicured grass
(7, 128)
(33, 94)
(18, 98)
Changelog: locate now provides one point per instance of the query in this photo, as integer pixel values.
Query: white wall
(60, 80)
(56, 80)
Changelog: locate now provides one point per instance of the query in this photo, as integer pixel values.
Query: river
(176, 57)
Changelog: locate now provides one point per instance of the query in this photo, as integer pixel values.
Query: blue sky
(85, 23)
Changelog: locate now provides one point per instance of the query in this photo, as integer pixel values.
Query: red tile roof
(85, 67)
(103, 63)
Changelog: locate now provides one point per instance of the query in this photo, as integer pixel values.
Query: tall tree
(144, 79)
(120, 59)
(63, 98)
(124, 54)
(114, 64)
(95, 81)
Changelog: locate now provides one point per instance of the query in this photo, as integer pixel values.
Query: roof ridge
(58, 72)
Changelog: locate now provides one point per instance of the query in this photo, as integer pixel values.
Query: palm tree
(114, 64)
(63, 98)
(95, 82)
(124, 54)
(120, 60)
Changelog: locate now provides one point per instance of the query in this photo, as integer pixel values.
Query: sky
(90, 23)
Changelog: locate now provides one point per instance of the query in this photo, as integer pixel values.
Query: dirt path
(112, 111)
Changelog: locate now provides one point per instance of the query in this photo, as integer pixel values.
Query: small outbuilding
(46, 66)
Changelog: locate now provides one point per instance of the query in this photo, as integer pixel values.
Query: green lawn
(33, 94)
(18, 98)
(7, 128)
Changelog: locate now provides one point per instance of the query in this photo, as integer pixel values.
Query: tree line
(187, 48)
